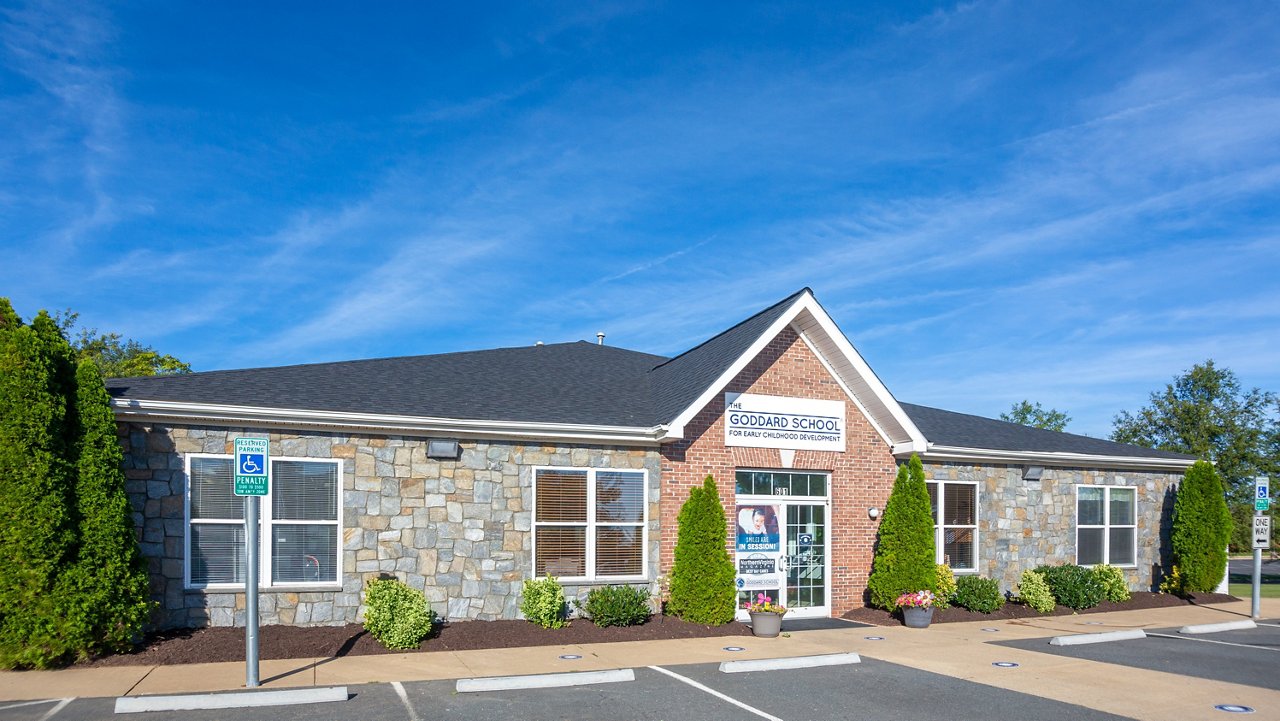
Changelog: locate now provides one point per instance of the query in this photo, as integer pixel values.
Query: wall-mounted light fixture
(1032, 473)
(443, 448)
(873, 513)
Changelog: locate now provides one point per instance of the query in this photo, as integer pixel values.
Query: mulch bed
(1140, 600)
(206, 645)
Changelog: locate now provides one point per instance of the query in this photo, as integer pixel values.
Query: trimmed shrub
(1075, 587)
(1034, 592)
(702, 589)
(37, 618)
(1114, 587)
(1172, 583)
(1201, 529)
(397, 614)
(978, 594)
(904, 559)
(616, 606)
(542, 601)
(946, 585)
(108, 581)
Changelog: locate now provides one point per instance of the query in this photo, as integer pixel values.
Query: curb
(241, 699)
(1080, 639)
(546, 680)
(1216, 627)
(780, 664)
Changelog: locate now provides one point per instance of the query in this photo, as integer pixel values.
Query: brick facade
(861, 477)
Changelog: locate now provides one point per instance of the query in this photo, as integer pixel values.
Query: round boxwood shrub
(1075, 587)
(1114, 587)
(978, 594)
(542, 601)
(397, 614)
(1034, 592)
(616, 606)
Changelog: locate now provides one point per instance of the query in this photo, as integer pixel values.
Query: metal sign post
(251, 482)
(1261, 537)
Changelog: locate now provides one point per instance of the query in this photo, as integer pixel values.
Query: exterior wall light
(873, 513)
(443, 449)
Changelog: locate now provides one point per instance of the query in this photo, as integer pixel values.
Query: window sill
(598, 581)
(293, 588)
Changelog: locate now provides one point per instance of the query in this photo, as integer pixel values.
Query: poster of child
(758, 528)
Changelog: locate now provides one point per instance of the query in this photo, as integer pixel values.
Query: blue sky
(1069, 202)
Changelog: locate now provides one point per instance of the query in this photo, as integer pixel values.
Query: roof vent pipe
(600, 338)
(538, 343)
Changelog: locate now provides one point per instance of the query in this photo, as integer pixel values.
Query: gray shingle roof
(948, 428)
(573, 383)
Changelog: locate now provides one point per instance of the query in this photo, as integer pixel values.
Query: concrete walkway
(959, 650)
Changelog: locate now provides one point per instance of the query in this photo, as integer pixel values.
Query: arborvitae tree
(702, 589)
(904, 559)
(1201, 529)
(36, 519)
(108, 584)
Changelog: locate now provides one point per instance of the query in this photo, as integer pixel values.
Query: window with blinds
(955, 519)
(300, 523)
(1106, 530)
(589, 523)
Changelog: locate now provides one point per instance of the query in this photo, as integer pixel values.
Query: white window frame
(265, 535)
(591, 526)
(939, 528)
(1107, 525)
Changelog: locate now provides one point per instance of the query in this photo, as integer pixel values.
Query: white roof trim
(1048, 458)
(219, 414)
(905, 437)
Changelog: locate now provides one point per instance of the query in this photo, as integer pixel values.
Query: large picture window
(955, 523)
(300, 524)
(589, 523)
(1105, 528)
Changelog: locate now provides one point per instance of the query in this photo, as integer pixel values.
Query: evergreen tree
(1201, 529)
(36, 519)
(702, 589)
(108, 584)
(904, 559)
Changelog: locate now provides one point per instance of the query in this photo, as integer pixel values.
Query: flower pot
(916, 617)
(766, 625)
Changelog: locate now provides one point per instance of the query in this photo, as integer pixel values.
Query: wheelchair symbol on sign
(251, 465)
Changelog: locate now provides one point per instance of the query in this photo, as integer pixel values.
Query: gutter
(136, 410)
(1051, 458)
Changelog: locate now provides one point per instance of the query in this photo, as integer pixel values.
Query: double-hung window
(1105, 528)
(955, 523)
(589, 523)
(301, 522)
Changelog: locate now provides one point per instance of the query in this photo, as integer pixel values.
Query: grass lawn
(1270, 587)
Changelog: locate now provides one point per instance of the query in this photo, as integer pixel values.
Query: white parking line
(1210, 640)
(404, 698)
(61, 705)
(30, 703)
(716, 693)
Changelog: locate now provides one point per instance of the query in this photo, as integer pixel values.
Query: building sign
(756, 421)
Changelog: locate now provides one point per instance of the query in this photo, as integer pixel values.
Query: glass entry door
(805, 560)
(782, 551)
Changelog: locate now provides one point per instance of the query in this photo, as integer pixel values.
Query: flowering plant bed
(1140, 600)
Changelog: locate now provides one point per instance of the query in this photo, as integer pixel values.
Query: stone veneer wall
(1024, 524)
(458, 530)
(861, 477)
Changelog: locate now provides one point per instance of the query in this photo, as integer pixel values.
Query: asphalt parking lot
(1250, 657)
(869, 690)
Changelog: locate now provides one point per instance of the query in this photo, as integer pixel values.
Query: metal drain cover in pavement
(570, 657)
(1232, 708)
(874, 638)
(1004, 664)
(734, 648)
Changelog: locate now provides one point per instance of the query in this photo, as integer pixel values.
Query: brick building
(466, 473)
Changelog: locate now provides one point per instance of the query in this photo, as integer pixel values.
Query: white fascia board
(217, 414)
(884, 436)
(914, 439)
(1045, 458)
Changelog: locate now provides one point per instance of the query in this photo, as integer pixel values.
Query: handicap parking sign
(251, 467)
